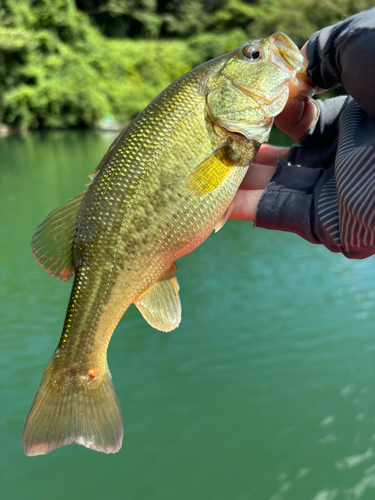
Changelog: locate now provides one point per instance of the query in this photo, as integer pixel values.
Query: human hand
(255, 181)
(295, 120)
(300, 111)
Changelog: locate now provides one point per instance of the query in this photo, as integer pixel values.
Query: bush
(62, 67)
(56, 70)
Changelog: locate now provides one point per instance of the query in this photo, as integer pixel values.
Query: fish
(165, 184)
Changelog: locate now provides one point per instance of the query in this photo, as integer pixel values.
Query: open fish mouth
(285, 53)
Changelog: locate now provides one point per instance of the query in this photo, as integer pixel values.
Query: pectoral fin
(212, 172)
(160, 305)
(53, 239)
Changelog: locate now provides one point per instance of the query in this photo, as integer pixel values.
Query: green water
(265, 392)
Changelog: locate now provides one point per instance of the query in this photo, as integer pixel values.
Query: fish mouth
(285, 53)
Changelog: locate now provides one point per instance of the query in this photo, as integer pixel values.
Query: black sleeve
(325, 191)
(287, 202)
(344, 54)
(334, 207)
(324, 130)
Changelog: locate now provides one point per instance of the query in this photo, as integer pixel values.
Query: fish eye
(252, 52)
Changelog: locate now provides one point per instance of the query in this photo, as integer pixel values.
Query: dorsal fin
(53, 239)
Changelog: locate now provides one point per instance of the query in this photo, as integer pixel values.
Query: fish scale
(163, 186)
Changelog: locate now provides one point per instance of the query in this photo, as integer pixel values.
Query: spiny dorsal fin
(53, 238)
(160, 304)
(212, 172)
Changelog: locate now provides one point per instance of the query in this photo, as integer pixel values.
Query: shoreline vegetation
(98, 63)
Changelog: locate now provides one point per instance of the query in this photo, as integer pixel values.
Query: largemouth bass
(164, 185)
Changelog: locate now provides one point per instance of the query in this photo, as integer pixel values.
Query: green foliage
(300, 19)
(152, 18)
(56, 70)
(67, 63)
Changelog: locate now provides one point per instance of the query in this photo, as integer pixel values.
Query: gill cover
(252, 86)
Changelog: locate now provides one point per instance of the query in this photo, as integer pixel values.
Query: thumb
(297, 117)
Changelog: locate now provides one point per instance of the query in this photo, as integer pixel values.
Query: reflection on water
(265, 392)
(353, 461)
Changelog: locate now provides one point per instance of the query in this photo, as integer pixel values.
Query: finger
(297, 117)
(268, 154)
(257, 177)
(318, 90)
(304, 52)
(245, 204)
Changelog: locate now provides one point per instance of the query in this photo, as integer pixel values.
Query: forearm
(323, 190)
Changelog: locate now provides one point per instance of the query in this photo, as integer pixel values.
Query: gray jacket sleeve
(323, 191)
(344, 54)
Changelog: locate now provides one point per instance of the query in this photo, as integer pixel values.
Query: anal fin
(160, 304)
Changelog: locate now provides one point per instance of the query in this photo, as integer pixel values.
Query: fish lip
(280, 41)
(281, 62)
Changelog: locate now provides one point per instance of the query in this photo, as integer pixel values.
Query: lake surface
(265, 391)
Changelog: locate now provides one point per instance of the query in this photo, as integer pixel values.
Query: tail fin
(86, 413)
